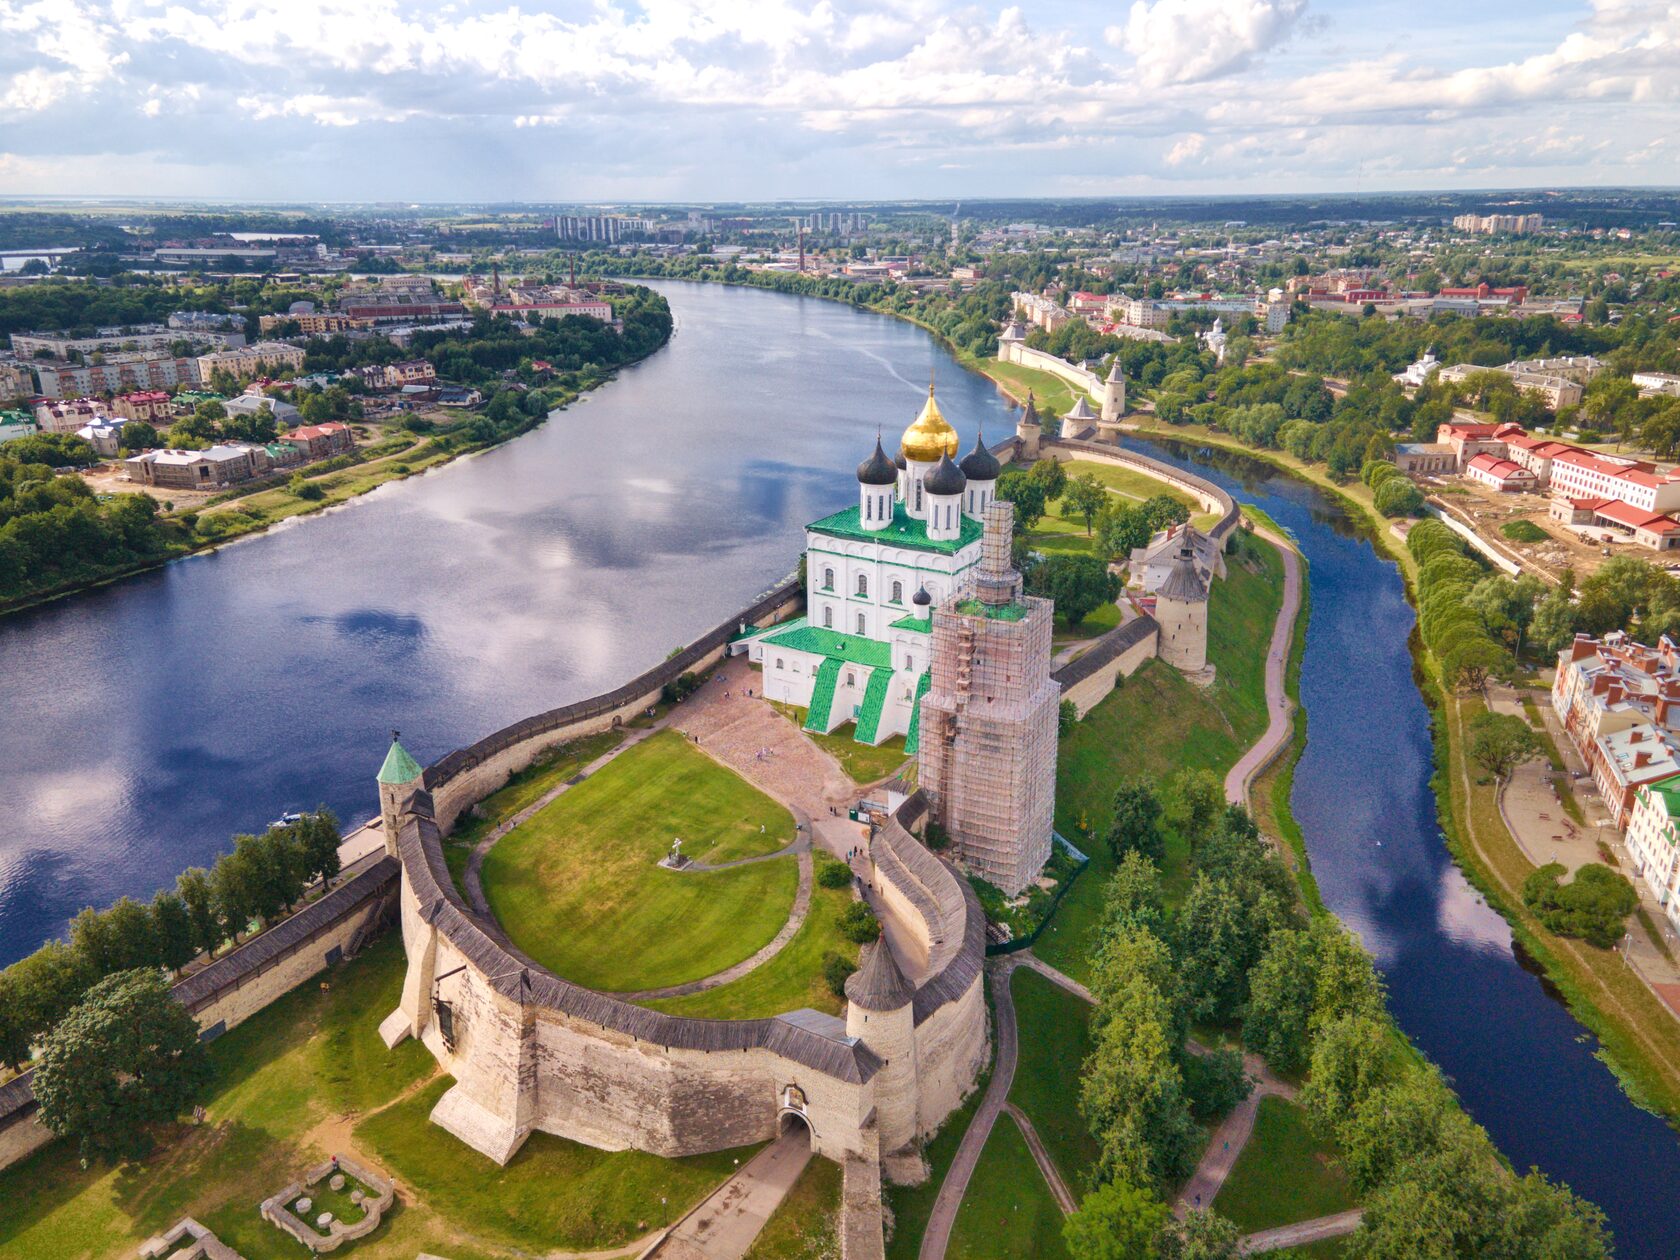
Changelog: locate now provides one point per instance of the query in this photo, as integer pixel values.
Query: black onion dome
(921, 598)
(898, 462)
(878, 470)
(980, 464)
(946, 478)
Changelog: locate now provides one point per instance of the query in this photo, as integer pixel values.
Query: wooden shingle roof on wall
(1105, 651)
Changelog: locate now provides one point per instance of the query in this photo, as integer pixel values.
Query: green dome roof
(399, 767)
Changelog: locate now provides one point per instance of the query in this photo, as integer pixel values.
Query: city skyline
(676, 101)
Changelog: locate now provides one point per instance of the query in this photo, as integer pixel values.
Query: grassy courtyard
(1051, 394)
(863, 763)
(306, 1078)
(1186, 726)
(578, 885)
(790, 980)
(1008, 1212)
(1055, 1038)
(1284, 1174)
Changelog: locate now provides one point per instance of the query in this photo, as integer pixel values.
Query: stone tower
(1181, 609)
(399, 777)
(1028, 430)
(879, 1013)
(1114, 394)
(988, 721)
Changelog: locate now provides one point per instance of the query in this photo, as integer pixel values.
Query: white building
(1417, 373)
(873, 573)
(1652, 384)
(1653, 841)
(1585, 475)
(256, 359)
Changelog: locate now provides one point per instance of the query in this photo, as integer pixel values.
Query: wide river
(144, 724)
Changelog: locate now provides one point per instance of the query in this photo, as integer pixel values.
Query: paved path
(1278, 706)
(1302, 1232)
(944, 1215)
(1052, 1175)
(1029, 959)
(1230, 1137)
(727, 1221)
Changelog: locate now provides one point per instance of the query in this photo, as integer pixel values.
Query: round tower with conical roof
(399, 778)
(1181, 604)
(880, 1013)
(1114, 393)
(1028, 430)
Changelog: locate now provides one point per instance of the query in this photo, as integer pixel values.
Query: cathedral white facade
(873, 574)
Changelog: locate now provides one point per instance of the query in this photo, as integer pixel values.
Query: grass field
(1284, 1174)
(864, 763)
(1050, 393)
(561, 1193)
(1187, 726)
(1055, 1038)
(1008, 1212)
(807, 1224)
(579, 888)
(790, 980)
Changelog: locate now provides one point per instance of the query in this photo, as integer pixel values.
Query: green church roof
(905, 531)
(399, 767)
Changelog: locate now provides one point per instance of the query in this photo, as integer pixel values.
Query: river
(146, 722)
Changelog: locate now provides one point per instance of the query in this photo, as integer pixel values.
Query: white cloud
(1187, 41)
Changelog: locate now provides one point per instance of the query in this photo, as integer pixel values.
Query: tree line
(263, 877)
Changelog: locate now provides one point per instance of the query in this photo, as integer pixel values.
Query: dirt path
(1302, 1232)
(1229, 1139)
(1047, 1166)
(1278, 707)
(944, 1215)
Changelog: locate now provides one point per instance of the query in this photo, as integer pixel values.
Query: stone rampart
(1019, 352)
(1211, 497)
(467, 775)
(1089, 677)
(242, 982)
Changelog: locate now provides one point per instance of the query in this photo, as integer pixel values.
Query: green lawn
(1130, 483)
(1284, 1174)
(1328, 1249)
(579, 887)
(1050, 393)
(552, 1194)
(1008, 1212)
(807, 1224)
(1055, 1039)
(790, 980)
(1187, 726)
(864, 763)
(912, 1205)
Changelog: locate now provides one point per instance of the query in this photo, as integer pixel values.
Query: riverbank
(393, 454)
(1639, 1036)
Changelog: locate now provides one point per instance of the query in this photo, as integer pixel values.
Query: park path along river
(144, 723)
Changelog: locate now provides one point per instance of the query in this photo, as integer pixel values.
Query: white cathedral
(873, 574)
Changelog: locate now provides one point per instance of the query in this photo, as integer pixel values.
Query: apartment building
(70, 380)
(1619, 703)
(252, 360)
(222, 465)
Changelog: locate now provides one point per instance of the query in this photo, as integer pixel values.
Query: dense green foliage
(1079, 584)
(262, 876)
(1594, 905)
(1500, 742)
(123, 1061)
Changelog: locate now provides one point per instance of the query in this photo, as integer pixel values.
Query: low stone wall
(1211, 497)
(1019, 352)
(242, 982)
(1089, 677)
(276, 1208)
(466, 776)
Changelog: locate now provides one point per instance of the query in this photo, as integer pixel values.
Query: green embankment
(1055, 1039)
(1008, 1212)
(1283, 1175)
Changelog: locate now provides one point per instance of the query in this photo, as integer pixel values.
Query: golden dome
(930, 436)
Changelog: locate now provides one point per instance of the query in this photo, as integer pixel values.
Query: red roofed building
(321, 441)
(1584, 474)
(143, 404)
(1501, 474)
(1468, 440)
(1536, 454)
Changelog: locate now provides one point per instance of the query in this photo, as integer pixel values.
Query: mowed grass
(1129, 483)
(1055, 1038)
(552, 1193)
(313, 1055)
(1051, 394)
(807, 1224)
(1283, 1175)
(1008, 1212)
(863, 763)
(790, 980)
(1181, 725)
(578, 885)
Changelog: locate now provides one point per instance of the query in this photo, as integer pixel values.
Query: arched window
(828, 618)
(863, 624)
(909, 663)
(828, 579)
(918, 496)
(778, 662)
(898, 592)
(851, 679)
(868, 507)
(863, 584)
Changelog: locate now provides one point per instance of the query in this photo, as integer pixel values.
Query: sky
(699, 100)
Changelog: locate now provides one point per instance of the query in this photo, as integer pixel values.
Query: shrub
(681, 687)
(835, 969)
(1592, 906)
(304, 488)
(859, 925)
(1523, 532)
(832, 874)
(1398, 497)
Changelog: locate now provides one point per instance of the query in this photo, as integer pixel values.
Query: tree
(1351, 1057)
(1201, 1235)
(1084, 497)
(1121, 529)
(124, 1060)
(1017, 487)
(1079, 585)
(1116, 1222)
(172, 930)
(1221, 934)
(236, 887)
(15, 1033)
(198, 899)
(1067, 715)
(1137, 821)
(320, 837)
(1281, 994)
(1132, 899)
(1500, 742)
(1050, 474)
(1592, 906)
(1193, 802)
(137, 435)
(1398, 496)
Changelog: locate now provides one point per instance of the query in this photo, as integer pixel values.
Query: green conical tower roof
(399, 767)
